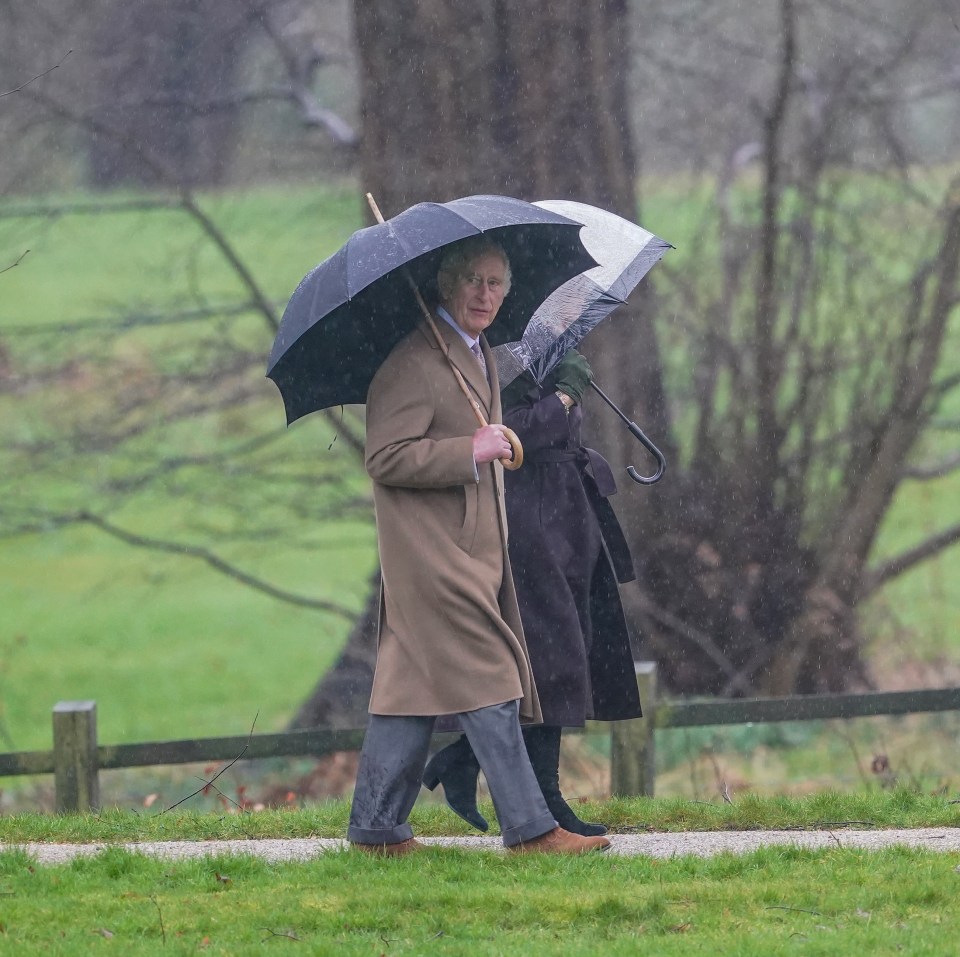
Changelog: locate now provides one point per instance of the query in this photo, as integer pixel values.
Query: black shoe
(543, 747)
(457, 769)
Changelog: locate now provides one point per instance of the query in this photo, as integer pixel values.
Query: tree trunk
(340, 697)
(166, 73)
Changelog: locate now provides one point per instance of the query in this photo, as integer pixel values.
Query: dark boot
(543, 746)
(457, 769)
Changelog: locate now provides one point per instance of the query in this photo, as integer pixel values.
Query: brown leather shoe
(559, 841)
(390, 850)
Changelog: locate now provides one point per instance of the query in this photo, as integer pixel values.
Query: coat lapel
(466, 362)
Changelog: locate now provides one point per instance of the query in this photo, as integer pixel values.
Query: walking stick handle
(516, 457)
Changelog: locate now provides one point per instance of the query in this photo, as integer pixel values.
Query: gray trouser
(394, 753)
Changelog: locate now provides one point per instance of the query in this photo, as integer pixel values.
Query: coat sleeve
(400, 450)
(540, 423)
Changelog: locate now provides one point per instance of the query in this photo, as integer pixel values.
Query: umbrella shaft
(637, 433)
(603, 395)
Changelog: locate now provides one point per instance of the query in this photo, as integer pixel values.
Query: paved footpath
(675, 844)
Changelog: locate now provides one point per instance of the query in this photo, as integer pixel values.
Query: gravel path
(699, 843)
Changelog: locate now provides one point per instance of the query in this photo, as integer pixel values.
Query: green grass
(898, 808)
(449, 902)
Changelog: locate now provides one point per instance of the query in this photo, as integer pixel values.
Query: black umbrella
(625, 252)
(352, 309)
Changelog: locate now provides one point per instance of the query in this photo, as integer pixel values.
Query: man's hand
(490, 444)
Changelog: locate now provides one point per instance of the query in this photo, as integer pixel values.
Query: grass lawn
(895, 808)
(775, 901)
(778, 900)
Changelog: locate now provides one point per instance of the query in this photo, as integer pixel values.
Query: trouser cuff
(379, 835)
(527, 832)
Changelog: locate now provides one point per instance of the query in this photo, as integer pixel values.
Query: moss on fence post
(75, 767)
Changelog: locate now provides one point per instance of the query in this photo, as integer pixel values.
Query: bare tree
(814, 376)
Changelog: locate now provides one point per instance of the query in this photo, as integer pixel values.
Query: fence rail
(77, 758)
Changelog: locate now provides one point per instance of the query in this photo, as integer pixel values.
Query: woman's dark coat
(568, 552)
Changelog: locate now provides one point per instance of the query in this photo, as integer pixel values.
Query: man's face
(477, 294)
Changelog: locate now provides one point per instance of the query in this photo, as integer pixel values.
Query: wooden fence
(77, 758)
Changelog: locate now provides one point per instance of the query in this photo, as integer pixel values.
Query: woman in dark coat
(567, 552)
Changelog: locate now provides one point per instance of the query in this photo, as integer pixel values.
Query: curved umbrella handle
(516, 459)
(637, 433)
(654, 451)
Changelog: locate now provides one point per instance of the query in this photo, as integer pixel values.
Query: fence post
(75, 771)
(632, 752)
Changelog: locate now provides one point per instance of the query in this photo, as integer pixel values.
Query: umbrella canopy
(624, 251)
(353, 308)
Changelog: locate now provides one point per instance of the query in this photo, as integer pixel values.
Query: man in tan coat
(451, 642)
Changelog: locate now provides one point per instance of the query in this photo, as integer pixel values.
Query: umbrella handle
(516, 459)
(637, 433)
(516, 456)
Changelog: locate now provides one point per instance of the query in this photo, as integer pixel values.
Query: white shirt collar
(443, 314)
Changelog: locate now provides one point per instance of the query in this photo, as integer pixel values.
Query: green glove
(572, 375)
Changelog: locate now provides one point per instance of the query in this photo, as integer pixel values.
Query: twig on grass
(799, 910)
(226, 767)
(163, 932)
(290, 935)
(223, 794)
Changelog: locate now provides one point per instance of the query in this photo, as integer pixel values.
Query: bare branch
(23, 86)
(703, 641)
(299, 72)
(214, 561)
(895, 567)
(13, 265)
(42, 211)
(938, 471)
(226, 767)
(311, 113)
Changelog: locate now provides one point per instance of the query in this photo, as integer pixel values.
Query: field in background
(169, 648)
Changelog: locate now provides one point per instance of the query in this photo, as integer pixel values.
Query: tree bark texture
(475, 96)
(166, 72)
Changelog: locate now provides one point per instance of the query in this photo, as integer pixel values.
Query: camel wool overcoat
(450, 637)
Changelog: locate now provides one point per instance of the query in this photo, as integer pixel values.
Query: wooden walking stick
(516, 460)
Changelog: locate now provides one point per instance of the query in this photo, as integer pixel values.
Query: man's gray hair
(459, 256)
